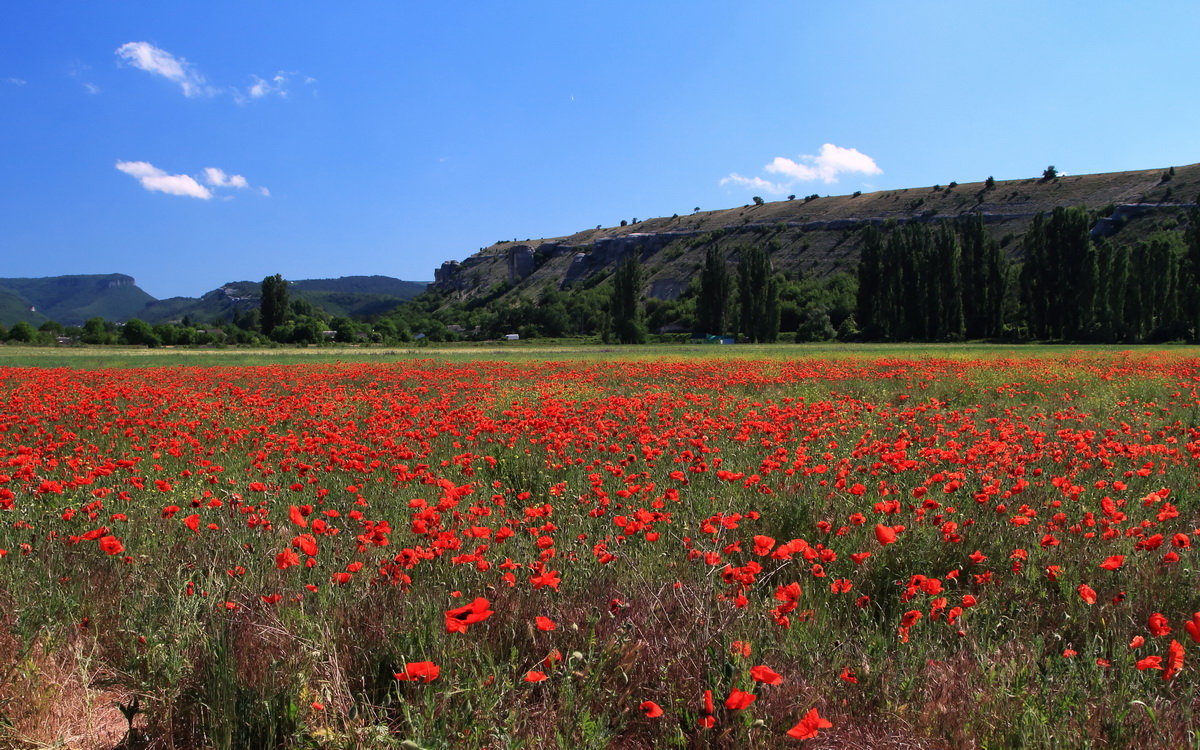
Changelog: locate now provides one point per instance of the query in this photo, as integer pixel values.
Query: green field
(90, 358)
(535, 546)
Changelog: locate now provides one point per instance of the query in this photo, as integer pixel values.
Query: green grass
(80, 629)
(92, 358)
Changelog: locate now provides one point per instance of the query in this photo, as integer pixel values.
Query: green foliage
(274, 306)
(628, 318)
(22, 333)
(712, 301)
(911, 281)
(758, 296)
(137, 332)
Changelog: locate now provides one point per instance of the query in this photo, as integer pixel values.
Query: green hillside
(14, 308)
(814, 236)
(71, 300)
(349, 296)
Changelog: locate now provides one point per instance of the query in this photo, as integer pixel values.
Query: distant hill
(816, 236)
(71, 300)
(349, 296)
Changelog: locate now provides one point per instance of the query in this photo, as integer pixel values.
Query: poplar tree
(713, 298)
(628, 319)
(758, 296)
(274, 306)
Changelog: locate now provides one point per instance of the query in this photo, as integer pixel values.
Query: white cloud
(217, 178)
(15, 81)
(155, 179)
(266, 193)
(831, 162)
(754, 183)
(91, 88)
(825, 166)
(262, 88)
(147, 57)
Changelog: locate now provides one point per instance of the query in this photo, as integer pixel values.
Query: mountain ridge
(72, 299)
(815, 235)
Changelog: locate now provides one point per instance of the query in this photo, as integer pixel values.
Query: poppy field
(998, 551)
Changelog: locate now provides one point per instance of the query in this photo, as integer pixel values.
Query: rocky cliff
(820, 235)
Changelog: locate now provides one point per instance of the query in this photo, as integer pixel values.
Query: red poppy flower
(809, 726)
(111, 545)
(1193, 627)
(848, 676)
(286, 559)
(739, 699)
(763, 545)
(1158, 624)
(423, 671)
(1086, 593)
(306, 543)
(1113, 563)
(193, 522)
(545, 623)
(651, 709)
(766, 675)
(885, 534)
(459, 618)
(535, 676)
(1174, 660)
(1150, 662)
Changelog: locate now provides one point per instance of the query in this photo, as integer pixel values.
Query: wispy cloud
(754, 183)
(158, 180)
(827, 166)
(261, 88)
(81, 73)
(16, 81)
(147, 57)
(217, 178)
(155, 179)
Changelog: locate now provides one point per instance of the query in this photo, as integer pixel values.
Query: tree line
(951, 281)
(917, 281)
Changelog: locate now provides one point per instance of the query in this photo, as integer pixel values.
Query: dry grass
(58, 696)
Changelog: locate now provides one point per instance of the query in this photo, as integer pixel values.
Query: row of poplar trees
(757, 313)
(935, 282)
(951, 281)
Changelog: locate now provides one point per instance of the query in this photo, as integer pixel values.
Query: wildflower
(423, 671)
(809, 726)
(459, 618)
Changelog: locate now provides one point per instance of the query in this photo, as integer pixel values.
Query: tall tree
(1190, 275)
(947, 259)
(628, 319)
(870, 284)
(984, 276)
(274, 307)
(713, 299)
(758, 296)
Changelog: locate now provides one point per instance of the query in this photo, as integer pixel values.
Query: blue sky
(191, 144)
